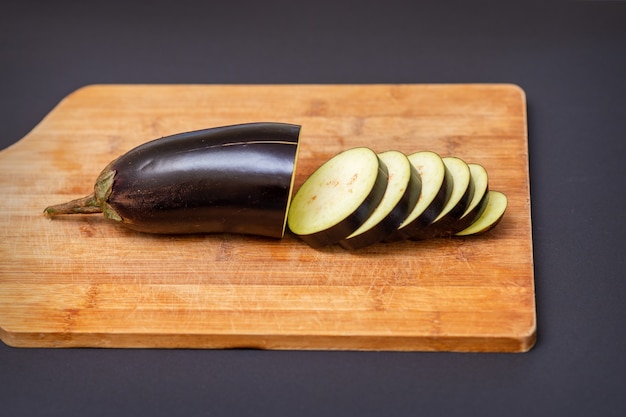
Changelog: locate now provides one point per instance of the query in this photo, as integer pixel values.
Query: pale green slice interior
(399, 175)
(431, 169)
(481, 182)
(495, 209)
(461, 179)
(334, 191)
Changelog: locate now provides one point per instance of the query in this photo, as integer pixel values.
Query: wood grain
(82, 281)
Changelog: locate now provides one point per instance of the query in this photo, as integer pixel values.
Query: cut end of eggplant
(338, 197)
(291, 187)
(490, 217)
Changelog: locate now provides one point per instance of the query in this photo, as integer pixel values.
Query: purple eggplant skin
(230, 179)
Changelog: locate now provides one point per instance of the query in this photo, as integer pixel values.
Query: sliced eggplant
(491, 216)
(460, 196)
(338, 197)
(479, 201)
(235, 179)
(403, 190)
(436, 184)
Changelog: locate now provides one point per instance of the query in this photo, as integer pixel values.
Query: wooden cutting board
(82, 281)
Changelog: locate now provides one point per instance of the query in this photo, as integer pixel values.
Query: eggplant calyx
(93, 203)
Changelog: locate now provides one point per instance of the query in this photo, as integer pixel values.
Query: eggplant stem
(85, 205)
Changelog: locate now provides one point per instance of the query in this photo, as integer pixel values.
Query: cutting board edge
(501, 344)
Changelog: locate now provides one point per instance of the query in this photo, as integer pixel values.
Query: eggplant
(403, 190)
(490, 217)
(229, 179)
(338, 197)
(461, 194)
(477, 205)
(436, 186)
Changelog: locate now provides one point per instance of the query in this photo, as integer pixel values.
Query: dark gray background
(569, 57)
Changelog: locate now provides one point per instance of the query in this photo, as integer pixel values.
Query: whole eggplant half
(230, 179)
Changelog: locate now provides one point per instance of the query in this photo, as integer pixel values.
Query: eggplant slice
(460, 196)
(436, 185)
(403, 190)
(477, 205)
(338, 197)
(491, 216)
